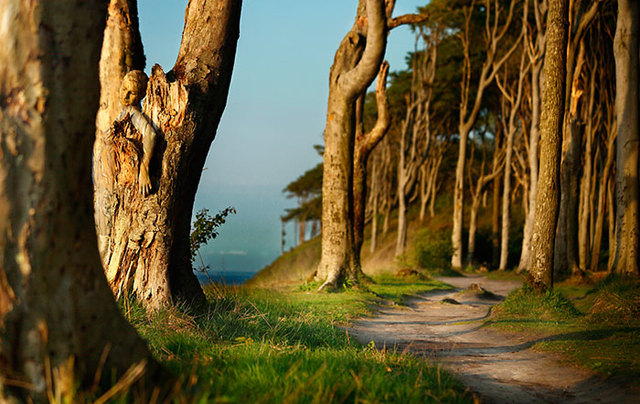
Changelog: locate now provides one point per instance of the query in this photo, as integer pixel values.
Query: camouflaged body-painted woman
(129, 146)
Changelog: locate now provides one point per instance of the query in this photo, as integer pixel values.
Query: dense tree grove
(467, 128)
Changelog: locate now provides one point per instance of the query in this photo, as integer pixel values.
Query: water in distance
(223, 277)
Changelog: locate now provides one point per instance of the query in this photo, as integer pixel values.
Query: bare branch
(406, 19)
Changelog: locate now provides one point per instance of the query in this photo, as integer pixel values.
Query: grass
(595, 327)
(287, 347)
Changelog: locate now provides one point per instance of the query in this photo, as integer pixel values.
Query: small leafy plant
(205, 228)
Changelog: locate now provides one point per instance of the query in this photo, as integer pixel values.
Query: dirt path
(498, 367)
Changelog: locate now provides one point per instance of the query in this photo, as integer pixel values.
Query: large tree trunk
(356, 63)
(543, 237)
(148, 251)
(121, 52)
(627, 108)
(57, 315)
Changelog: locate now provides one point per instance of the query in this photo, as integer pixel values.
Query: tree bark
(515, 101)
(364, 144)
(148, 252)
(122, 52)
(356, 63)
(625, 49)
(57, 315)
(536, 54)
(546, 216)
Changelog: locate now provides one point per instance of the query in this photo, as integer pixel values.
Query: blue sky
(274, 115)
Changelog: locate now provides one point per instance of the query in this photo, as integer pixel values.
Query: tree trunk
(57, 315)
(121, 52)
(602, 195)
(458, 200)
(148, 252)
(543, 237)
(473, 226)
(356, 63)
(302, 224)
(495, 223)
(586, 189)
(534, 140)
(362, 149)
(467, 118)
(625, 49)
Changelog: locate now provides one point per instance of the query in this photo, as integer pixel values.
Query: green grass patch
(397, 290)
(263, 346)
(596, 327)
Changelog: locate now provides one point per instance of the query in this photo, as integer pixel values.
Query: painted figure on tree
(126, 153)
(129, 146)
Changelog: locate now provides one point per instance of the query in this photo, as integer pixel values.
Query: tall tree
(496, 28)
(364, 144)
(59, 324)
(535, 48)
(553, 98)
(356, 63)
(147, 253)
(513, 95)
(625, 48)
(581, 15)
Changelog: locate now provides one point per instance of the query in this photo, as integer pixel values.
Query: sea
(224, 277)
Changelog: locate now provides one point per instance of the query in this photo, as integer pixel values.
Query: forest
(471, 235)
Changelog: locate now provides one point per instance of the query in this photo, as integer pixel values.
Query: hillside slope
(298, 264)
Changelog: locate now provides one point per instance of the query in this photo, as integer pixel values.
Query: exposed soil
(499, 367)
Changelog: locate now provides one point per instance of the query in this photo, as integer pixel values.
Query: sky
(275, 112)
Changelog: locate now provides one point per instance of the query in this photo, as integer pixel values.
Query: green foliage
(431, 249)
(260, 346)
(205, 228)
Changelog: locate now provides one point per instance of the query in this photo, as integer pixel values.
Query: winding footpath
(498, 367)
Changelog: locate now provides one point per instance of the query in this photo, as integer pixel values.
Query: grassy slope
(295, 266)
(596, 327)
(265, 346)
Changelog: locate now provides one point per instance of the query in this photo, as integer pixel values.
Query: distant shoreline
(224, 277)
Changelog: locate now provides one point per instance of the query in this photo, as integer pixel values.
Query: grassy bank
(264, 346)
(596, 327)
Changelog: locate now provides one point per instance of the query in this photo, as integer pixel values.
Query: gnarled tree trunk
(57, 315)
(147, 250)
(356, 63)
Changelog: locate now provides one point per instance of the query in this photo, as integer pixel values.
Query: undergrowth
(262, 346)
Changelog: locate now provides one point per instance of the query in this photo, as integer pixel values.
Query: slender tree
(553, 97)
(627, 110)
(495, 32)
(535, 48)
(364, 144)
(59, 324)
